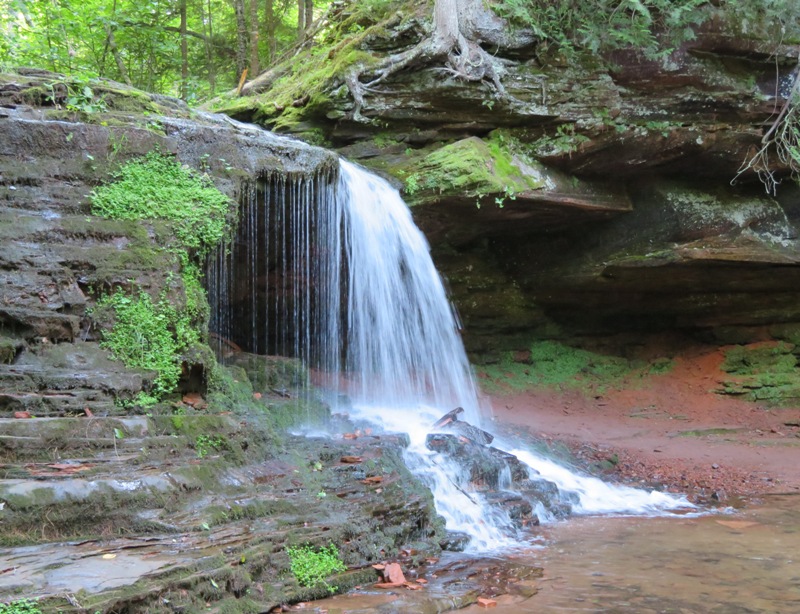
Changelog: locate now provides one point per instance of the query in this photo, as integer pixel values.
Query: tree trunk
(209, 36)
(301, 19)
(457, 26)
(112, 47)
(309, 14)
(184, 53)
(272, 44)
(253, 37)
(241, 37)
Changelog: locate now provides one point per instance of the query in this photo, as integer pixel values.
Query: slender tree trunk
(253, 37)
(241, 37)
(112, 47)
(208, 41)
(184, 53)
(270, 29)
(301, 19)
(309, 14)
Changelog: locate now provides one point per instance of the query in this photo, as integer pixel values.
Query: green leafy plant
(20, 606)
(142, 337)
(205, 444)
(312, 567)
(158, 187)
(652, 27)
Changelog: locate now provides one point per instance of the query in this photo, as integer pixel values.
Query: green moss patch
(762, 372)
(471, 167)
(551, 364)
(158, 187)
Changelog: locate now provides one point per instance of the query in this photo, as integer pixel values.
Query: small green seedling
(312, 567)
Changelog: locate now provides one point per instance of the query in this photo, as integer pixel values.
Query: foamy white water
(598, 497)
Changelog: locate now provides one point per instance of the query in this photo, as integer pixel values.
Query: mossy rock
(471, 167)
(766, 372)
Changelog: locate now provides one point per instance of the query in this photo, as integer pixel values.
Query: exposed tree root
(448, 47)
(783, 137)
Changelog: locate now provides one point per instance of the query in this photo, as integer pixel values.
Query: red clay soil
(673, 430)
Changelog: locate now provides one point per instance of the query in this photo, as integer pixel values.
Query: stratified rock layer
(595, 198)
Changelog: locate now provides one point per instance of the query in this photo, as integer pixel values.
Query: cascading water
(334, 272)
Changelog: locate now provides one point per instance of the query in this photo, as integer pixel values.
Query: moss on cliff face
(470, 168)
(766, 372)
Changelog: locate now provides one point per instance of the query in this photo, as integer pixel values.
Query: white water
(338, 275)
(402, 337)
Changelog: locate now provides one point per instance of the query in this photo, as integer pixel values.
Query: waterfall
(331, 270)
(337, 274)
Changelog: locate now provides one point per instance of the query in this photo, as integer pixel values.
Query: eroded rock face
(595, 197)
(56, 258)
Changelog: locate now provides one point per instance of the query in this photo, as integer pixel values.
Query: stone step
(157, 437)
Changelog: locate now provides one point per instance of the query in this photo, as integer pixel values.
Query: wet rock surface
(141, 516)
(504, 482)
(595, 199)
(56, 258)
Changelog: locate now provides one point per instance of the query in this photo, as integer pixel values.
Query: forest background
(187, 48)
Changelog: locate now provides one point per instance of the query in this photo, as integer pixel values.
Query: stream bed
(727, 563)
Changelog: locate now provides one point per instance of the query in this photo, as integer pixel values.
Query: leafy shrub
(574, 24)
(312, 567)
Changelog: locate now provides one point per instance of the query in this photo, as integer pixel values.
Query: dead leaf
(375, 479)
(413, 587)
(351, 459)
(379, 566)
(367, 431)
(350, 436)
(22, 414)
(256, 395)
(487, 603)
(394, 573)
(192, 398)
(386, 585)
(431, 560)
(88, 412)
(422, 580)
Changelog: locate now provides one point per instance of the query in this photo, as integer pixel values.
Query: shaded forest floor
(673, 431)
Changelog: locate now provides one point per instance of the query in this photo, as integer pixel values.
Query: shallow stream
(727, 563)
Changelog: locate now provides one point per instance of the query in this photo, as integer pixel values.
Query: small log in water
(450, 422)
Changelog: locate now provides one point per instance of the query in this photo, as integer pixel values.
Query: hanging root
(783, 137)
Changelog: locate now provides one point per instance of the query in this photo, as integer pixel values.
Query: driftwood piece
(449, 417)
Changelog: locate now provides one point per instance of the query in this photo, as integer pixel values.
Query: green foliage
(205, 444)
(578, 25)
(311, 567)
(20, 606)
(565, 141)
(144, 337)
(158, 187)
